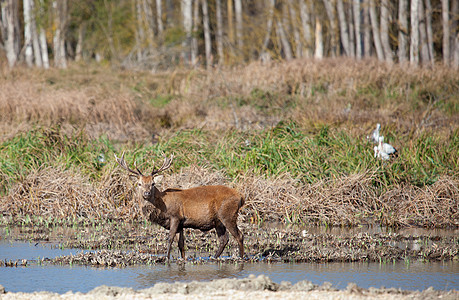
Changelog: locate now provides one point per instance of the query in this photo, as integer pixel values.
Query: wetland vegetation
(290, 136)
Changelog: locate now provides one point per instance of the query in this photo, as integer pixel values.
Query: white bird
(374, 137)
(384, 150)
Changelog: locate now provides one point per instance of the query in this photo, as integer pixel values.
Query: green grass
(308, 156)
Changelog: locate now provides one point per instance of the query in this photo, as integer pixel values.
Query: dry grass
(348, 200)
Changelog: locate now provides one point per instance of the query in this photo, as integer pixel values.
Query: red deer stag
(203, 208)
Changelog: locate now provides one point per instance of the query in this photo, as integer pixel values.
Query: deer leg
(223, 239)
(181, 243)
(232, 228)
(174, 223)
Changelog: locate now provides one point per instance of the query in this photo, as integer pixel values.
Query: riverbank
(260, 287)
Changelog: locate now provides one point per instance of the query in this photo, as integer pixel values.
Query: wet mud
(119, 245)
(260, 287)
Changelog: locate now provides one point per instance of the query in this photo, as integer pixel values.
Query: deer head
(146, 183)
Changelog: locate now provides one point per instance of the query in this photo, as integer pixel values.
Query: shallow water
(60, 279)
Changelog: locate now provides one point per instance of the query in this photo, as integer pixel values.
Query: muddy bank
(260, 287)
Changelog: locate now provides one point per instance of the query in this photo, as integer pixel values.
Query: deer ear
(158, 179)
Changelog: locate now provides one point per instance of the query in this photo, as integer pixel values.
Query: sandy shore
(260, 287)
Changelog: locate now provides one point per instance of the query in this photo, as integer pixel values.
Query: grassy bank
(291, 137)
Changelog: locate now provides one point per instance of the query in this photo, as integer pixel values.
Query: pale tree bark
(140, 35)
(3, 27)
(149, 22)
(282, 35)
(207, 40)
(12, 37)
(350, 21)
(26, 6)
(159, 17)
(414, 34)
(60, 22)
(330, 10)
(385, 31)
(375, 30)
(446, 32)
(343, 28)
(366, 29)
(35, 39)
(219, 34)
(425, 57)
(319, 40)
(269, 27)
(296, 32)
(403, 30)
(187, 17)
(429, 31)
(79, 45)
(238, 12)
(305, 11)
(455, 33)
(42, 38)
(357, 28)
(230, 17)
(194, 36)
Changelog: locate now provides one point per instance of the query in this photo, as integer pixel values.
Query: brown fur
(203, 208)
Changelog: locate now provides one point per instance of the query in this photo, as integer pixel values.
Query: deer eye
(140, 184)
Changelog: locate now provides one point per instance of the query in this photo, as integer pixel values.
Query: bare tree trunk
(159, 17)
(296, 32)
(12, 39)
(28, 33)
(238, 11)
(350, 21)
(414, 43)
(187, 15)
(319, 50)
(376, 35)
(35, 38)
(446, 33)
(207, 41)
(269, 27)
(385, 31)
(343, 28)
(230, 14)
(219, 35)
(455, 33)
(283, 38)
(306, 25)
(367, 29)
(79, 46)
(429, 31)
(60, 23)
(194, 36)
(329, 8)
(140, 35)
(149, 22)
(42, 38)
(425, 57)
(357, 27)
(403, 30)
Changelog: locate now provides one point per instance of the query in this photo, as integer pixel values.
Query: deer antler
(124, 165)
(166, 165)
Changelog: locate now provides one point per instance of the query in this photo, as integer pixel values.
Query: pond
(47, 277)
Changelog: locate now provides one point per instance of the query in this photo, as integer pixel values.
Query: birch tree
(187, 11)
(206, 26)
(446, 33)
(12, 36)
(28, 33)
(385, 31)
(375, 31)
(305, 10)
(60, 11)
(239, 27)
(403, 30)
(219, 34)
(414, 33)
(357, 28)
(343, 28)
(159, 17)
